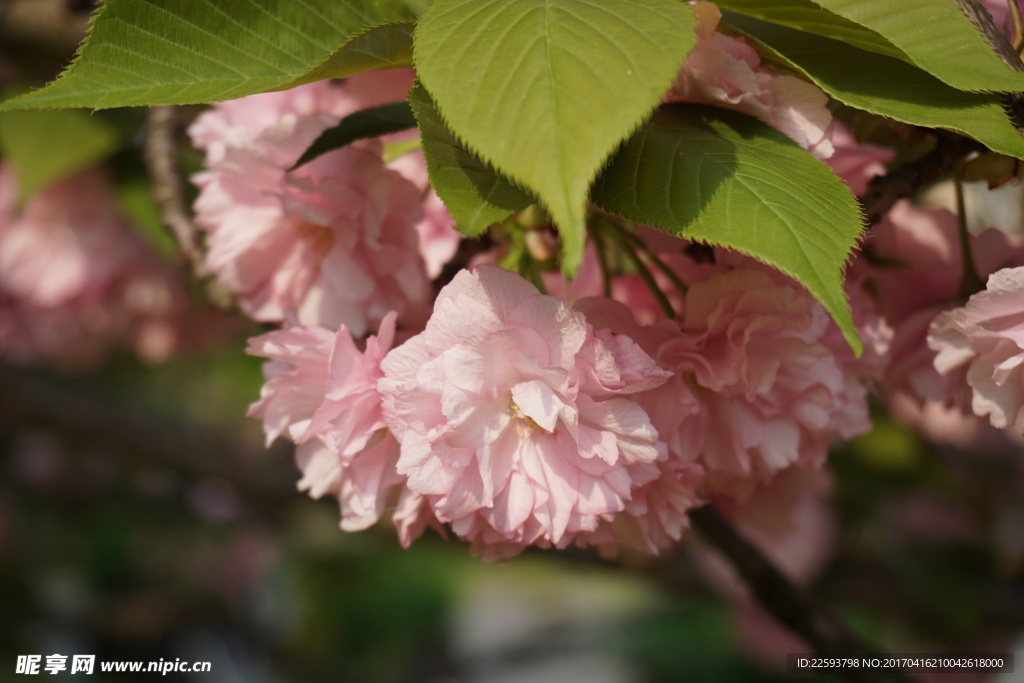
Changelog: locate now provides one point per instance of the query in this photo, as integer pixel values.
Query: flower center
(318, 236)
(524, 424)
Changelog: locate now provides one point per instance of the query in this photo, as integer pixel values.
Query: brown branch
(885, 190)
(787, 603)
(161, 155)
(168, 188)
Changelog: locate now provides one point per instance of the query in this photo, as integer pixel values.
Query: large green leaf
(473, 192)
(808, 16)
(46, 146)
(727, 179)
(145, 52)
(887, 86)
(936, 35)
(546, 89)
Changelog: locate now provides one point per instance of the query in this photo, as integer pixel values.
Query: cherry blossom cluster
(516, 418)
(512, 413)
(77, 279)
(344, 239)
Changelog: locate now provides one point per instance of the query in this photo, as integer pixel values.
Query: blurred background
(142, 518)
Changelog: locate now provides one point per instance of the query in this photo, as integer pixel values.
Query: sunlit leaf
(146, 52)
(545, 90)
(728, 179)
(935, 35)
(887, 86)
(474, 193)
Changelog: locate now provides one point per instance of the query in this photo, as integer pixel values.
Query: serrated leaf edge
(511, 181)
(535, 192)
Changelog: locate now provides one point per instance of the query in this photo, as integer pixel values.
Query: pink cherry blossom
(334, 239)
(657, 514)
(296, 378)
(437, 235)
(279, 124)
(759, 386)
(938, 422)
(791, 521)
(857, 163)
(510, 415)
(321, 392)
(773, 391)
(984, 340)
(727, 72)
(76, 280)
(282, 124)
(913, 263)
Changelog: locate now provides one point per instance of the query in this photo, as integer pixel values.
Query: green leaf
(808, 16)
(545, 90)
(147, 52)
(367, 123)
(473, 192)
(886, 86)
(935, 35)
(938, 36)
(728, 179)
(46, 146)
(382, 47)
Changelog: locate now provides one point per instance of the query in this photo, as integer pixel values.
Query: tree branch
(168, 189)
(885, 190)
(787, 603)
(161, 155)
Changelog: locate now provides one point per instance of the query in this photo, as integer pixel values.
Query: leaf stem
(533, 272)
(602, 260)
(631, 252)
(971, 282)
(665, 269)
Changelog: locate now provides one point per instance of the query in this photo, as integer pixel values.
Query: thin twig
(787, 603)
